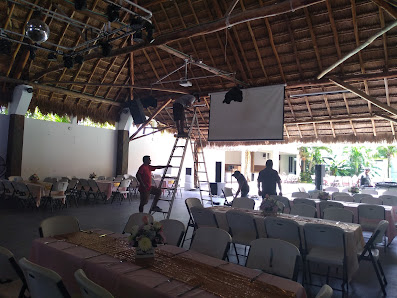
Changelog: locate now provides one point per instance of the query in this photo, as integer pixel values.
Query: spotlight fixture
(52, 57)
(79, 59)
(68, 61)
(149, 101)
(32, 51)
(113, 12)
(80, 4)
(136, 23)
(106, 48)
(233, 94)
(137, 36)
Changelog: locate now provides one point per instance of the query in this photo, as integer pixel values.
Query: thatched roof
(268, 42)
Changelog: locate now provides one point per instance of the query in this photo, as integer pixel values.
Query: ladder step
(179, 146)
(167, 200)
(171, 177)
(199, 162)
(177, 156)
(201, 172)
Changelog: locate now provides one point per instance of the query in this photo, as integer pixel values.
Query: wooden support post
(15, 145)
(122, 152)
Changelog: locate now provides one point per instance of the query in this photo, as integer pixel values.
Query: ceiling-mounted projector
(185, 83)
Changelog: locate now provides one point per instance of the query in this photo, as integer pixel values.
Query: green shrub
(306, 177)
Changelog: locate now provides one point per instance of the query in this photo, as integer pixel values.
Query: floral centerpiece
(354, 189)
(146, 237)
(92, 175)
(323, 195)
(269, 205)
(34, 178)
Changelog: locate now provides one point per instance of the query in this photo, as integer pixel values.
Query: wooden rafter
(271, 40)
(334, 32)
(384, 39)
(348, 113)
(387, 7)
(291, 36)
(388, 103)
(286, 130)
(334, 119)
(313, 38)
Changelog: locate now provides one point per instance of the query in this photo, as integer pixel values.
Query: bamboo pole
(150, 133)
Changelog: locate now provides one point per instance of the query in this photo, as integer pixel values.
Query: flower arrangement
(354, 189)
(269, 205)
(92, 175)
(323, 195)
(146, 236)
(34, 178)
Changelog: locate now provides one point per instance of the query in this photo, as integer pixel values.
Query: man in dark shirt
(242, 184)
(269, 178)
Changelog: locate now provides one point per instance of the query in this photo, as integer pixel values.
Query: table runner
(175, 266)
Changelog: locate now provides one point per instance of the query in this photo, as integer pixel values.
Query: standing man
(179, 112)
(269, 178)
(144, 176)
(242, 184)
(365, 179)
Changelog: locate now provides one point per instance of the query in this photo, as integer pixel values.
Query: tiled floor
(19, 227)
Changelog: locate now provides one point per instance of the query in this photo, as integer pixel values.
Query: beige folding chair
(325, 292)
(88, 288)
(203, 217)
(338, 214)
(137, 219)
(331, 189)
(173, 231)
(274, 256)
(243, 203)
(369, 191)
(338, 194)
(303, 210)
(242, 228)
(389, 200)
(58, 225)
(306, 201)
(373, 201)
(213, 242)
(344, 198)
(370, 215)
(122, 191)
(43, 282)
(358, 196)
(283, 200)
(328, 204)
(303, 195)
(325, 244)
(191, 202)
(284, 229)
(57, 195)
(228, 194)
(24, 195)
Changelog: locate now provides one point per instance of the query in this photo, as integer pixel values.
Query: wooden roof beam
(388, 103)
(313, 37)
(338, 119)
(387, 7)
(293, 43)
(271, 40)
(334, 31)
(384, 39)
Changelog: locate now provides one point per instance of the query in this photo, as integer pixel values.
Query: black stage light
(106, 48)
(80, 4)
(233, 94)
(68, 61)
(32, 51)
(136, 23)
(149, 31)
(5, 46)
(52, 57)
(79, 59)
(149, 101)
(113, 12)
(137, 36)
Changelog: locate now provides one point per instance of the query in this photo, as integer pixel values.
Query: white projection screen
(260, 116)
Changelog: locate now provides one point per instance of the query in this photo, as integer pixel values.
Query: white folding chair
(328, 204)
(88, 288)
(228, 194)
(325, 244)
(57, 194)
(303, 210)
(24, 195)
(274, 256)
(306, 201)
(137, 219)
(338, 214)
(173, 231)
(389, 200)
(283, 200)
(203, 217)
(344, 198)
(43, 282)
(369, 191)
(242, 228)
(371, 200)
(390, 192)
(358, 196)
(337, 194)
(122, 191)
(303, 195)
(213, 242)
(370, 253)
(284, 229)
(325, 292)
(370, 215)
(58, 225)
(243, 203)
(331, 189)
(191, 202)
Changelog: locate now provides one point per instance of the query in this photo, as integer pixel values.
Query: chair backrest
(93, 185)
(101, 178)
(8, 188)
(338, 214)
(371, 212)
(109, 178)
(134, 182)
(9, 266)
(42, 282)
(379, 232)
(358, 196)
(325, 292)
(328, 204)
(337, 194)
(303, 210)
(283, 228)
(15, 178)
(20, 188)
(244, 203)
(173, 231)
(306, 201)
(242, 226)
(331, 189)
(390, 192)
(283, 200)
(321, 235)
(49, 179)
(344, 198)
(369, 191)
(137, 219)
(72, 184)
(274, 256)
(371, 200)
(193, 202)
(203, 217)
(88, 288)
(227, 192)
(58, 225)
(300, 195)
(125, 183)
(118, 179)
(59, 186)
(84, 183)
(212, 242)
(389, 200)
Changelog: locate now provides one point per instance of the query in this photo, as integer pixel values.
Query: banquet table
(353, 232)
(39, 190)
(107, 187)
(107, 259)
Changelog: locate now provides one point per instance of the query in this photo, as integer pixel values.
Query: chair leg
(22, 292)
(377, 273)
(381, 271)
(235, 249)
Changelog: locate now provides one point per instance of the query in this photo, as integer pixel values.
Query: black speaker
(319, 171)
(218, 171)
(189, 171)
(214, 188)
(136, 110)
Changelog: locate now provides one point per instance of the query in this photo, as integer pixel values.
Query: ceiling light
(68, 61)
(113, 13)
(32, 52)
(52, 57)
(185, 83)
(80, 4)
(37, 30)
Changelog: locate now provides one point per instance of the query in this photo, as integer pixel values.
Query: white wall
(62, 149)
(211, 157)
(4, 122)
(233, 157)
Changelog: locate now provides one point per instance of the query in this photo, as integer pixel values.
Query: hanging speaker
(136, 110)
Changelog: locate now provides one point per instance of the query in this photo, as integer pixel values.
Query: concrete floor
(18, 227)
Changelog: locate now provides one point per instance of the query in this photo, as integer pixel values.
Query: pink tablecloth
(124, 278)
(107, 187)
(39, 190)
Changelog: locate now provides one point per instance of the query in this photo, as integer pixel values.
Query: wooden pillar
(123, 142)
(15, 145)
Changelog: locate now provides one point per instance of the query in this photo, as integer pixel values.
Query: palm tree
(357, 159)
(317, 157)
(386, 152)
(304, 155)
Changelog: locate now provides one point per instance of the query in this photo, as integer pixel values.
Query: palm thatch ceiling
(225, 43)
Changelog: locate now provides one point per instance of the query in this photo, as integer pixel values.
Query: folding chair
(191, 202)
(58, 225)
(210, 241)
(88, 288)
(173, 230)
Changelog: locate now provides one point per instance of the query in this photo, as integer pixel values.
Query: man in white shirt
(179, 112)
